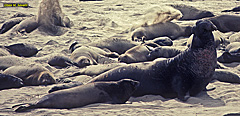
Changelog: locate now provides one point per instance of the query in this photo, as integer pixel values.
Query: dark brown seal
(190, 71)
(9, 81)
(22, 49)
(98, 92)
(226, 23)
(191, 13)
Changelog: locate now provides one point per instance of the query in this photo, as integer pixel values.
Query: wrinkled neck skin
(197, 51)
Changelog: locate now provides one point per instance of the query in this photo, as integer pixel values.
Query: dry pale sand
(97, 20)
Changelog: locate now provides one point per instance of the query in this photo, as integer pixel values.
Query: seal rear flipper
(23, 107)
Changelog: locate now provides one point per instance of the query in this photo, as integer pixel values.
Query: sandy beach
(97, 20)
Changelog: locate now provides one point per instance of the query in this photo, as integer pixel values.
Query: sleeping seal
(98, 92)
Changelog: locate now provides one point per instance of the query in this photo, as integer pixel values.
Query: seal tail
(23, 107)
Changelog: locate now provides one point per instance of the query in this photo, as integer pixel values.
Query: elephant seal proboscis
(190, 71)
(98, 92)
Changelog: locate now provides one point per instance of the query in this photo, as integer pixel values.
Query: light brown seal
(168, 29)
(32, 75)
(99, 92)
(88, 55)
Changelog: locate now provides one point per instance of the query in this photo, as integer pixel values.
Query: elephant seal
(9, 81)
(61, 61)
(191, 13)
(168, 29)
(51, 19)
(99, 92)
(94, 70)
(87, 55)
(218, 38)
(27, 26)
(8, 24)
(233, 48)
(236, 9)
(32, 75)
(231, 54)
(22, 49)
(113, 44)
(165, 52)
(224, 75)
(9, 61)
(226, 23)
(190, 71)
(136, 54)
(227, 57)
(162, 41)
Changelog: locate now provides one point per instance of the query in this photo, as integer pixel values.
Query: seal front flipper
(181, 86)
(23, 107)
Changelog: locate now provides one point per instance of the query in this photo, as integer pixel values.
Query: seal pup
(99, 92)
(190, 71)
(136, 54)
(61, 61)
(32, 75)
(9, 81)
(165, 52)
(8, 24)
(224, 75)
(27, 26)
(22, 49)
(231, 54)
(226, 23)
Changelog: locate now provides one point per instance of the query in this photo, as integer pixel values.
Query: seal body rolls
(99, 92)
(190, 71)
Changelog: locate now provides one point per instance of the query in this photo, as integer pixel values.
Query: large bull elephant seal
(190, 71)
(98, 92)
